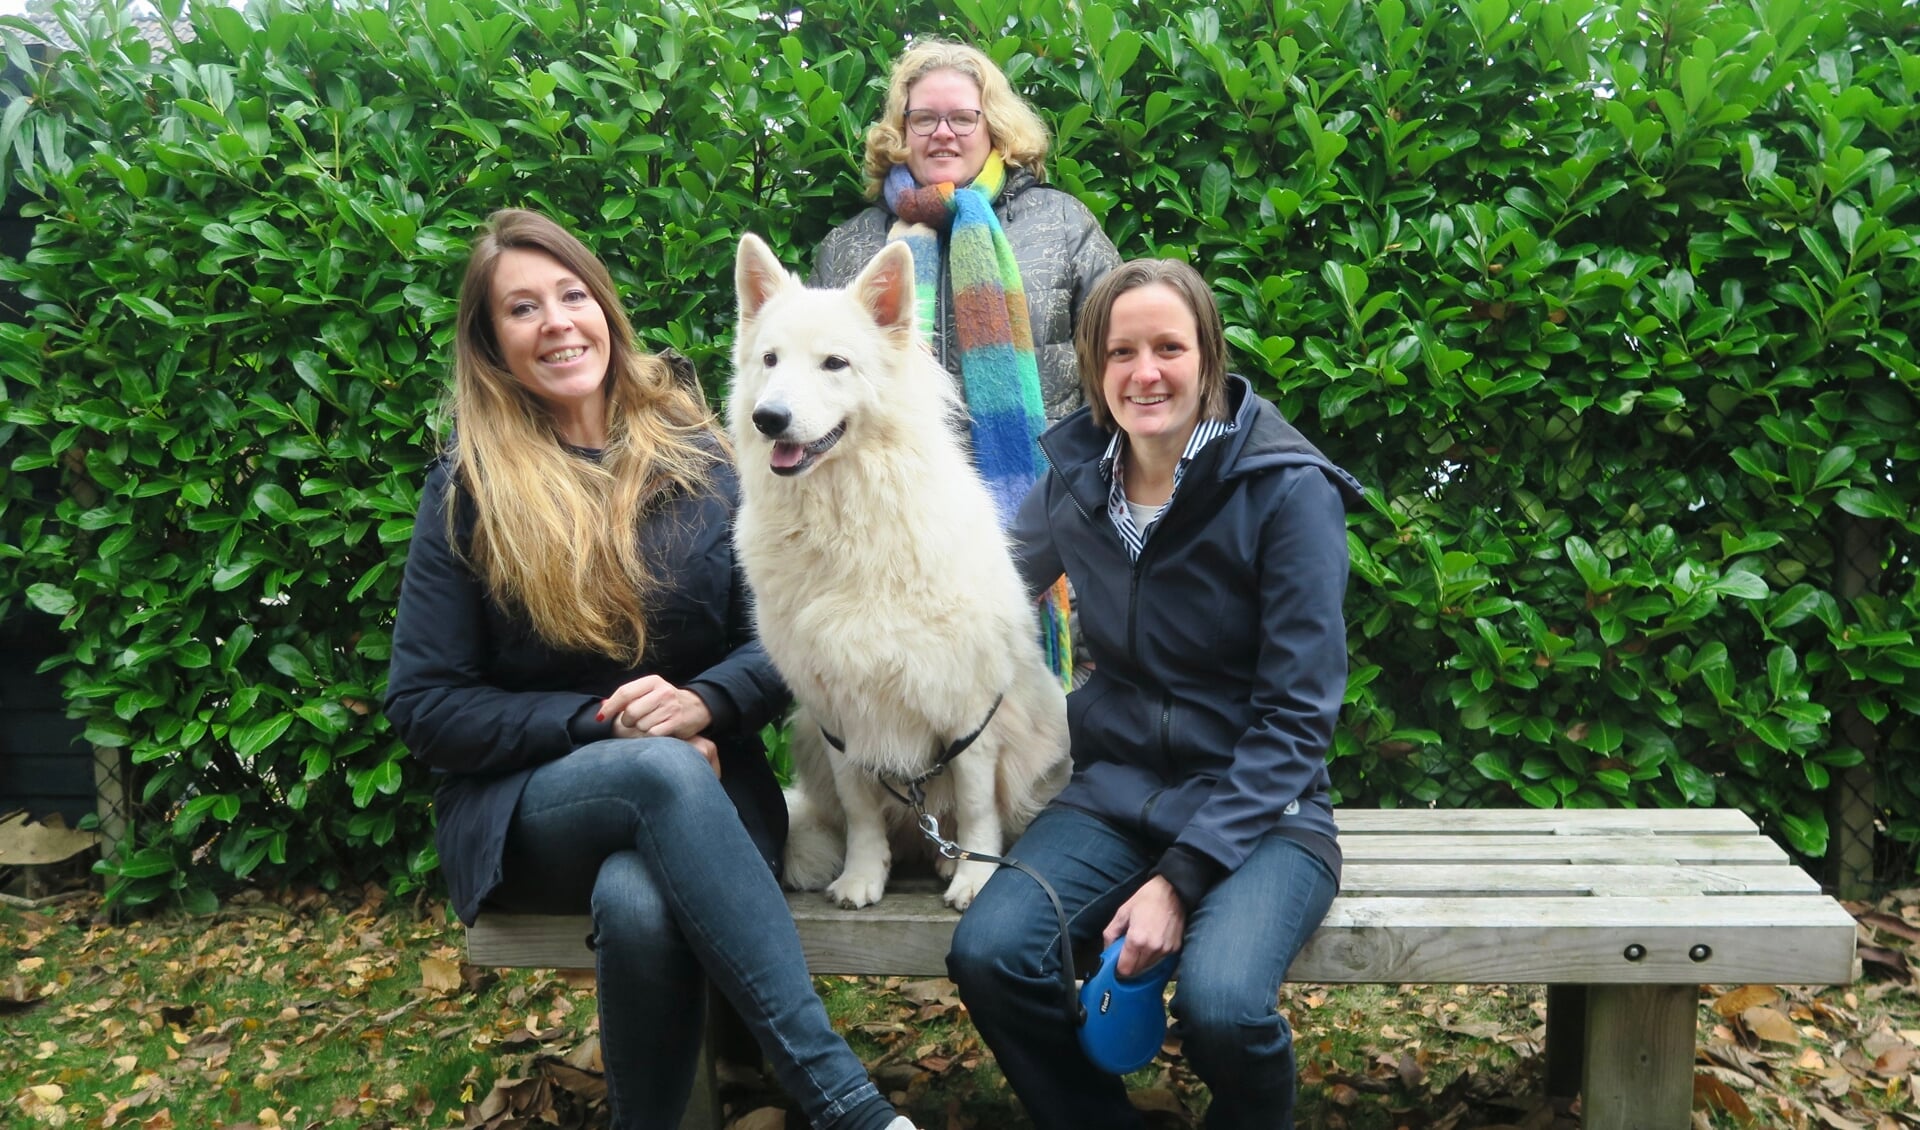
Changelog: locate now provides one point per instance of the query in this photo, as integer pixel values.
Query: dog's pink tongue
(787, 454)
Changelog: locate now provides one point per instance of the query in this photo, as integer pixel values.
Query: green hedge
(1609, 304)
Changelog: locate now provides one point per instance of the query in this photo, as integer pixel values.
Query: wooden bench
(1623, 914)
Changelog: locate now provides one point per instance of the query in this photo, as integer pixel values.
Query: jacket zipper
(939, 327)
(1051, 466)
(1166, 727)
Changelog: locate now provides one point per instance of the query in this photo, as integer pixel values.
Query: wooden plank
(1551, 821)
(1639, 1057)
(1744, 912)
(531, 941)
(1769, 939)
(1701, 850)
(1509, 880)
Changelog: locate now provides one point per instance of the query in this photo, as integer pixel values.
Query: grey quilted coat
(1061, 251)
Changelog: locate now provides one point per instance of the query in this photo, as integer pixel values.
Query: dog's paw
(968, 878)
(814, 855)
(809, 870)
(944, 865)
(855, 889)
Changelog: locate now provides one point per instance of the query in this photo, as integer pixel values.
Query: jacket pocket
(1080, 704)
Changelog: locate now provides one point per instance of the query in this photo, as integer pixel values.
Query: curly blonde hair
(1017, 132)
(556, 535)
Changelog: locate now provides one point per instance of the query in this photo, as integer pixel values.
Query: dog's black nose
(772, 420)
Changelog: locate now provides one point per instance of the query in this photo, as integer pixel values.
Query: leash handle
(949, 849)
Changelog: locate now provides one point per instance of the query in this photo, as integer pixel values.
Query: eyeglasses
(961, 122)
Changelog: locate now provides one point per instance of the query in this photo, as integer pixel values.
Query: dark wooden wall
(44, 766)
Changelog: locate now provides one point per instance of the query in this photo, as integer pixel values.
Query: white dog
(883, 588)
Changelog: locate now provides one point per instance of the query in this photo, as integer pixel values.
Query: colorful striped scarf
(998, 369)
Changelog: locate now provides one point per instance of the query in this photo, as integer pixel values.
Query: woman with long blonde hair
(573, 656)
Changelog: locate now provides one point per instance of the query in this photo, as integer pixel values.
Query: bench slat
(1774, 939)
(1546, 821)
(1706, 850)
(1514, 880)
(1769, 939)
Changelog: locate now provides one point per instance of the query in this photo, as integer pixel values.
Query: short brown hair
(1017, 133)
(1096, 317)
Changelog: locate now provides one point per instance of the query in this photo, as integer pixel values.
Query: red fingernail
(600, 717)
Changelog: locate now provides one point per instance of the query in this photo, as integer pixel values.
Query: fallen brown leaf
(1737, 1001)
(586, 1084)
(1898, 928)
(1771, 1025)
(1894, 1062)
(765, 1118)
(16, 997)
(1156, 1098)
(1891, 963)
(439, 976)
(586, 1057)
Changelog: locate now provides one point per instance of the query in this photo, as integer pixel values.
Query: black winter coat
(477, 695)
(1219, 658)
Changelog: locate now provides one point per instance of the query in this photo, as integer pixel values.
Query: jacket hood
(1262, 440)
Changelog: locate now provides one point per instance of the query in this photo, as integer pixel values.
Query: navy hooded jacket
(474, 693)
(1219, 657)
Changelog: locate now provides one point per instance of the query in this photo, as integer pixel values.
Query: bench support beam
(704, 1111)
(1566, 1039)
(1639, 1069)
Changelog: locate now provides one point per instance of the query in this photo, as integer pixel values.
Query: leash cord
(915, 797)
(930, 827)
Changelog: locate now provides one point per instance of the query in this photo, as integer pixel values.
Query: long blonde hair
(1017, 132)
(556, 535)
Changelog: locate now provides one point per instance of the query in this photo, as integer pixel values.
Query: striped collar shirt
(1131, 534)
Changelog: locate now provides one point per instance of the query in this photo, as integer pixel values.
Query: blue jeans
(1238, 944)
(641, 832)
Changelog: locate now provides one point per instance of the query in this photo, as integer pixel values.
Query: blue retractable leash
(1124, 1018)
(1121, 1021)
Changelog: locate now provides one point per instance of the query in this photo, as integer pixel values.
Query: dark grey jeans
(640, 832)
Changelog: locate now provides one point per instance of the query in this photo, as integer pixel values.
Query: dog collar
(911, 791)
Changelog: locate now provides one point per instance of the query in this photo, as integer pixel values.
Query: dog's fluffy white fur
(883, 586)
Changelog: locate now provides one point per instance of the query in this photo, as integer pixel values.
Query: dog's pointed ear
(885, 289)
(757, 275)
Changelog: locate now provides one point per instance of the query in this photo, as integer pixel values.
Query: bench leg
(703, 1105)
(704, 1111)
(1566, 1039)
(1640, 1044)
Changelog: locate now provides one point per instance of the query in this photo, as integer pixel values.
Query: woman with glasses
(1003, 263)
(962, 156)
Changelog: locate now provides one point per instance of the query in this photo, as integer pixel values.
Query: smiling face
(553, 338)
(1151, 375)
(944, 155)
